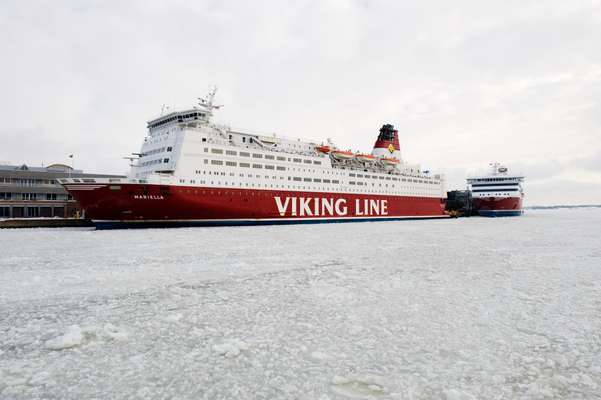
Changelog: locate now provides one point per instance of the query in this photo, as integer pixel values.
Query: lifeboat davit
(390, 161)
(366, 158)
(342, 155)
(323, 149)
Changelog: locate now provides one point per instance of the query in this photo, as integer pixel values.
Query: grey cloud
(592, 162)
(465, 82)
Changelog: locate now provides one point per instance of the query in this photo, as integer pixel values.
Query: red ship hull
(498, 206)
(147, 205)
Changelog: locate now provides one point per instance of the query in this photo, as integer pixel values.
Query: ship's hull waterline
(148, 205)
(499, 206)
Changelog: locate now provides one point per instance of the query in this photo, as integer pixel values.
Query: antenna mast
(207, 101)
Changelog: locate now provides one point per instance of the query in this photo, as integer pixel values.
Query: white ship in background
(497, 193)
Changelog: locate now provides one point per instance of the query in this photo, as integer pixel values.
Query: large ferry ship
(497, 193)
(191, 171)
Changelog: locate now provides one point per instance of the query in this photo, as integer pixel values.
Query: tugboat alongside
(191, 171)
(498, 193)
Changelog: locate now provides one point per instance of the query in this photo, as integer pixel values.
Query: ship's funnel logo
(387, 142)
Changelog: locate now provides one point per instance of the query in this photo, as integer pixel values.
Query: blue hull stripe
(500, 213)
(193, 223)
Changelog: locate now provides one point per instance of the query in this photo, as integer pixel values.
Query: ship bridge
(177, 118)
(200, 113)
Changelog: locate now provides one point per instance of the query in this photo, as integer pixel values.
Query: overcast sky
(465, 82)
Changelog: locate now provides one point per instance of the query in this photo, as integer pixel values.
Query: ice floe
(230, 347)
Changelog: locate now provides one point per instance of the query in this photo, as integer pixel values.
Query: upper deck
(497, 174)
(186, 148)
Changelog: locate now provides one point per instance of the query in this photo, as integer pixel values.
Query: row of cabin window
(316, 180)
(267, 156)
(389, 178)
(27, 182)
(153, 162)
(32, 196)
(373, 184)
(156, 151)
(493, 180)
(256, 155)
(245, 165)
(296, 178)
(240, 193)
(491, 190)
(247, 184)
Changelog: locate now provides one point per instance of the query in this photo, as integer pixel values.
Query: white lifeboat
(342, 155)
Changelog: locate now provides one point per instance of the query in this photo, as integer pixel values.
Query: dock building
(33, 192)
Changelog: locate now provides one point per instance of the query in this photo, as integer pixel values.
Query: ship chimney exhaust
(387, 144)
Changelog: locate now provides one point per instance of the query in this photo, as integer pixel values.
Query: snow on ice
(230, 348)
(73, 337)
(460, 309)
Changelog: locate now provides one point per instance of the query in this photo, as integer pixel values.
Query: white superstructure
(497, 182)
(186, 148)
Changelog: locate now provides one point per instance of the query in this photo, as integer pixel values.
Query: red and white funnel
(387, 144)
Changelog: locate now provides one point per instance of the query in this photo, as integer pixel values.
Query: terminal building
(34, 192)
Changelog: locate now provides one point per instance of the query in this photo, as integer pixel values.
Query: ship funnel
(387, 144)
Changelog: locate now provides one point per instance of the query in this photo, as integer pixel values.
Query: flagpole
(72, 164)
